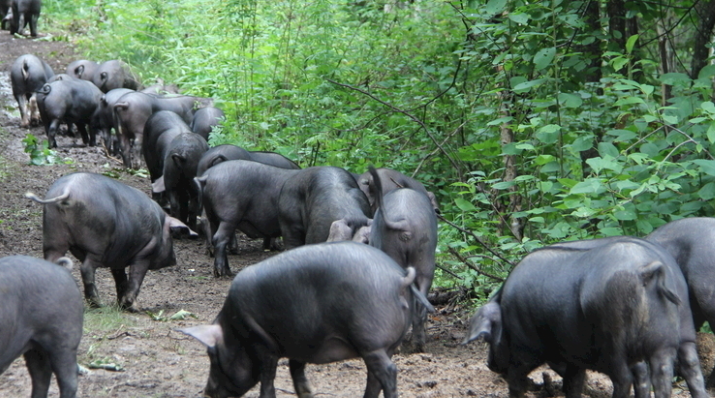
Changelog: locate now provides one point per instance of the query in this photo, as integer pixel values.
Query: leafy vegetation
(533, 122)
(40, 154)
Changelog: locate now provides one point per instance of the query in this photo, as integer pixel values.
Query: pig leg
(268, 364)
(220, 241)
(64, 365)
(34, 116)
(382, 372)
(33, 24)
(621, 377)
(38, 365)
(300, 382)
(574, 379)
(22, 104)
(641, 380)
(233, 244)
(120, 280)
(661, 369)
(83, 133)
(137, 271)
(689, 369)
(87, 269)
(51, 130)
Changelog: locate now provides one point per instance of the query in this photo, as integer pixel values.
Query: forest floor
(151, 358)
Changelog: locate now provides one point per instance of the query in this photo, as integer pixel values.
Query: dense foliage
(533, 122)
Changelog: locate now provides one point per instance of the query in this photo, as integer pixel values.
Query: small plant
(40, 154)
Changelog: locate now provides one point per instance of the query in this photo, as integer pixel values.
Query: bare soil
(156, 360)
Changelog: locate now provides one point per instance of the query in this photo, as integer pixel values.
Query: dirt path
(156, 360)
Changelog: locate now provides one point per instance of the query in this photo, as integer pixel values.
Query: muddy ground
(153, 359)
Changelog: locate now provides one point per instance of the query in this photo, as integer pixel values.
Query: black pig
(314, 304)
(28, 74)
(241, 194)
(69, 100)
(405, 227)
(605, 306)
(24, 12)
(105, 223)
(314, 198)
(41, 317)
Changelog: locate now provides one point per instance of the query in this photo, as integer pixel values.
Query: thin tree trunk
(705, 12)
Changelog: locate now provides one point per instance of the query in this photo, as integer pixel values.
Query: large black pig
(25, 12)
(606, 306)
(105, 223)
(222, 153)
(115, 74)
(132, 111)
(69, 100)
(160, 129)
(405, 227)
(103, 118)
(41, 317)
(241, 194)
(690, 242)
(180, 160)
(27, 75)
(314, 304)
(390, 180)
(313, 199)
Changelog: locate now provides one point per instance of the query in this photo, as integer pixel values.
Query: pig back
(308, 295)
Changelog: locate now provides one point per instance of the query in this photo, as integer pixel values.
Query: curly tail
(63, 196)
(45, 89)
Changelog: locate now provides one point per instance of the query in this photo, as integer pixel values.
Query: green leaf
(711, 133)
(707, 192)
(464, 205)
(607, 149)
(495, 6)
(520, 18)
(500, 121)
(630, 43)
(622, 135)
(543, 58)
(706, 166)
(589, 186)
(708, 107)
(528, 85)
(619, 62)
(570, 100)
(675, 78)
(504, 185)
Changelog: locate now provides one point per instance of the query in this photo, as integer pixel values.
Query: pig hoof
(221, 272)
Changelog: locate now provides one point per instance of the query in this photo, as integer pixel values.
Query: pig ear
(174, 223)
(158, 185)
(209, 335)
(486, 323)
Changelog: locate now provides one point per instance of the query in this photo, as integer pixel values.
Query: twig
(472, 266)
(409, 115)
(478, 239)
(449, 272)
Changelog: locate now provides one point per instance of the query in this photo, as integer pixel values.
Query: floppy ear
(158, 185)
(486, 323)
(208, 335)
(175, 224)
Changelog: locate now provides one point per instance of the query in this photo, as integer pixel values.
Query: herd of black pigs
(357, 262)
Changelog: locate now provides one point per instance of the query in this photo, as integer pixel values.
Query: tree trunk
(592, 52)
(705, 11)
